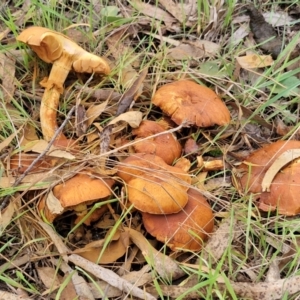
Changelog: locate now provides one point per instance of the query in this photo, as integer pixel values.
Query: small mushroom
(76, 194)
(187, 229)
(152, 185)
(189, 103)
(56, 48)
(284, 189)
(165, 145)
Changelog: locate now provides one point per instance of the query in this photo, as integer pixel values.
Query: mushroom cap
(186, 229)
(153, 186)
(50, 46)
(259, 162)
(285, 187)
(165, 145)
(192, 104)
(157, 195)
(82, 188)
(138, 164)
(284, 192)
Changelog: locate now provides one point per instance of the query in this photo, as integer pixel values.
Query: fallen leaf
(42, 145)
(165, 266)
(134, 91)
(8, 140)
(133, 118)
(94, 111)
(7, 75)
(282, 160)
(279, 18)
(6, 216)
(49, 277)
(105, 254)
(253, 61)
(53, 204)
(157, 13)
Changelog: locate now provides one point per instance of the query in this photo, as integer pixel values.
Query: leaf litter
(102, 130)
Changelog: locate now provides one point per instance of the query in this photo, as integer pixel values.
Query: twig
(19, 180)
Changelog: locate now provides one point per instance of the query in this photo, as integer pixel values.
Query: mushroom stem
(50, 100)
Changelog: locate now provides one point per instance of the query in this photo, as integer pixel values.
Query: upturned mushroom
(152, 185)
(65, 55)
(187, 229)
(189, 103)
(284, 190)
(165, 145)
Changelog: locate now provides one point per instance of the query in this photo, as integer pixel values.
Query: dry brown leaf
(177, 10)
(185, 51)
(220, 240)
(200, 181)
(239, 34)
(7, 75)
(157, 13)
(41, 146)
(78, 286)
(281, 161)
(253, 61)
(94, 111)
(133, 118)
(29, 182)
(102, 254)
(98, 271)
(53, 204)
(165, 266)
(134, 91)
(279, 18)
(6, 216)
(8, 140)
(49, 277)
(29, 135)
(10, 296)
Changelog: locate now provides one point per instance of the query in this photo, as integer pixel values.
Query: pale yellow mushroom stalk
(65, 55)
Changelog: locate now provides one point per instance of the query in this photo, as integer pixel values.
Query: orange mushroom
(65, 54)
(187, 229)
(76, 194)
(189, 103)
(284, 189)
(153, 186)
(165, 145)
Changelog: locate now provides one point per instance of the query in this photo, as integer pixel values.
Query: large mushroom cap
(50, 46)
(192, 104)
(161, 194)
(284, 189)
(82, 188)
(186, 229)
(153, 186)
(284, 192)
(165, 145)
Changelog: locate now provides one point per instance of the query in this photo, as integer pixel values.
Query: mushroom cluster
(172, 211)
(283, 195)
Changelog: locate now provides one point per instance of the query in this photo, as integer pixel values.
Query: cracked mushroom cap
(51, 46)
(187, 102)
(284, 190)
(187, 229)
(152, 185)
(165, 145)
